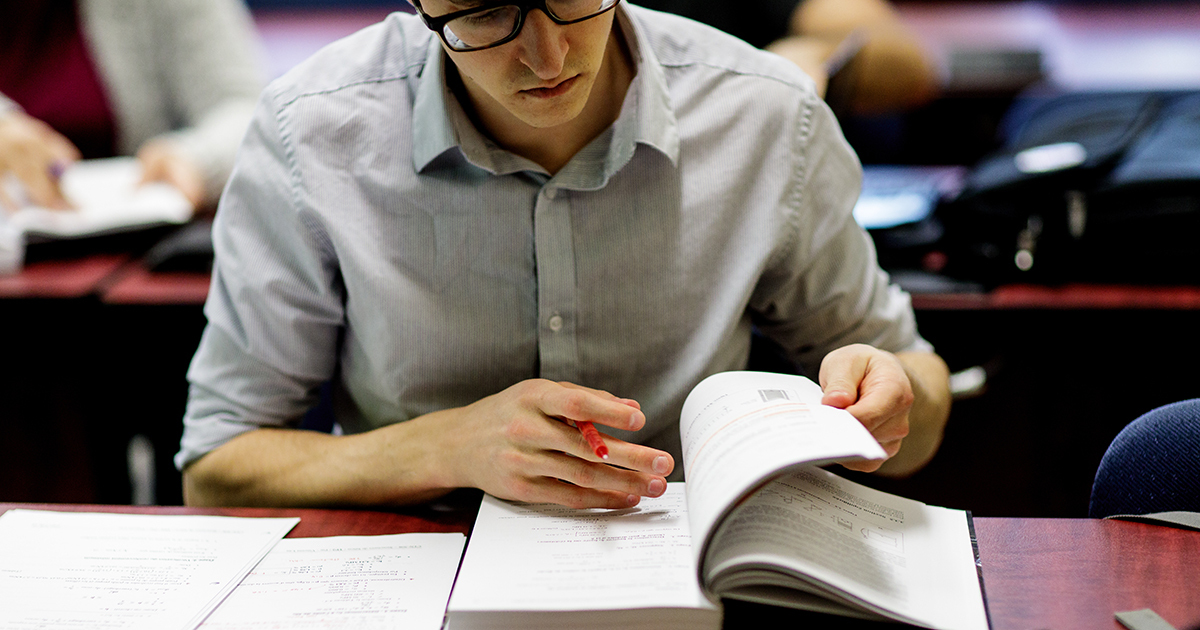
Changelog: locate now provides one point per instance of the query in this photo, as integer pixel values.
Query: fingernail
(656, 487)
(661, 464)
(632, 500)
(637, 420)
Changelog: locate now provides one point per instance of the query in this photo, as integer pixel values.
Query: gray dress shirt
(372, 236)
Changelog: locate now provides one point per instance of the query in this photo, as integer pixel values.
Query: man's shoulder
(394, 49)
(691, 47)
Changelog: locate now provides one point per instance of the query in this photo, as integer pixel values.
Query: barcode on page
(772, 394)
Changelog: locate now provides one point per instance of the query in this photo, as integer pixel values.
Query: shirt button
(555, 323)
(550, 193)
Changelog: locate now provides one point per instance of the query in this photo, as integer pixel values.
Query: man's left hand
(874, 387)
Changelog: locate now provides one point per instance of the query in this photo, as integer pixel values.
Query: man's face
(543, 78)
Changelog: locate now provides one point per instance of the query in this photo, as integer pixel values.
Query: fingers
(521, 444)
(576, 403)
(36, 155)
(161, 162)
(872, 385)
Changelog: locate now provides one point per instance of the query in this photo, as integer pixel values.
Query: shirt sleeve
(275, 308)
(824, 288)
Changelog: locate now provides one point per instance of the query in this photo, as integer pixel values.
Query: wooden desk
(1061, 574)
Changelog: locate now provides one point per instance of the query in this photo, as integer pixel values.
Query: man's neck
(553, 147)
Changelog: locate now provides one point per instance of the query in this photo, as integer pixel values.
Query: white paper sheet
(640, 557)
(346, 583)
(80, 570)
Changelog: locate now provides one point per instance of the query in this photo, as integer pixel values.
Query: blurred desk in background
(62, 279)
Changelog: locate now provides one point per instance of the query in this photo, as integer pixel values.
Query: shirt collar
(647, 117)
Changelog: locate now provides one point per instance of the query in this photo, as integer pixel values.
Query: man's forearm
(283, 467)
(930, 380)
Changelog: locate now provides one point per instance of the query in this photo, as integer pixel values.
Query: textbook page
(105, 196)
(890, 555)
(739, 428)
(541, 558)
(124, 571)
(346, 583)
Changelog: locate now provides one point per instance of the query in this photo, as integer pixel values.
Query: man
(545, 213)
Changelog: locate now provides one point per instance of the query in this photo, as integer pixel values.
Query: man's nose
(543, 45)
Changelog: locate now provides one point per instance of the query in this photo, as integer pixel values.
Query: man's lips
(553, 91)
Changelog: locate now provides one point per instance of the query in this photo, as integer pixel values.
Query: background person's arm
(890, 70)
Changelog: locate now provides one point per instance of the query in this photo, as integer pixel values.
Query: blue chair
(1153, 465)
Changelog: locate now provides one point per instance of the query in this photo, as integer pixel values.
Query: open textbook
(757, 520)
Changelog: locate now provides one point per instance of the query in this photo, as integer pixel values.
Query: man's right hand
(518, 445)
(36, 154)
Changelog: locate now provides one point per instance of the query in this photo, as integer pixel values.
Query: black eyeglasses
(493, 23)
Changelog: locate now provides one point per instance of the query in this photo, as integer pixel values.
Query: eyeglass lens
(484, 28)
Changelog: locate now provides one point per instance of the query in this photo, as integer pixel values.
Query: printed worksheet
(346, 583)
(68, 570)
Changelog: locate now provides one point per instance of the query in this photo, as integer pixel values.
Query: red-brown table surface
(1068, 296)
(69, 278)
(1056, 574)
(135, 284)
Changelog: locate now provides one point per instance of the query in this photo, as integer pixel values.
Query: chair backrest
(1153, 465)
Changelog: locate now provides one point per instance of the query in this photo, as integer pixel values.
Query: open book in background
(105, 196)
(757, 520)
(110, 211)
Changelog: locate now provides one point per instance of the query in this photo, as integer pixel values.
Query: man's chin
(547, 115)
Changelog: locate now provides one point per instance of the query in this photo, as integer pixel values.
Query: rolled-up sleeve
(275, 307)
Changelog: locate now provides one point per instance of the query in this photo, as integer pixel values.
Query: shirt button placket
(555, 257)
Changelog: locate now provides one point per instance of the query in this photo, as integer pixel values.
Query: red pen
(593, 438)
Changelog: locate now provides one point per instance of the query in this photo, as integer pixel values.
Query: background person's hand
(162, 162)
(37, 155)
(873, 386)
(517, 445)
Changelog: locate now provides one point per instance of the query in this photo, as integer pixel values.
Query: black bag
(1089, 187)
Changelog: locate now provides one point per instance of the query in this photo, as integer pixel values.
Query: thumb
(839, 392)
(841, 373)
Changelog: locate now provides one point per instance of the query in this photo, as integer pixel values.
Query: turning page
(128, 571)
(346, 583)
(861, 549)
(741, 428)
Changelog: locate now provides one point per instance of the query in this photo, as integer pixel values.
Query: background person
(889, 71)
(172, 82)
